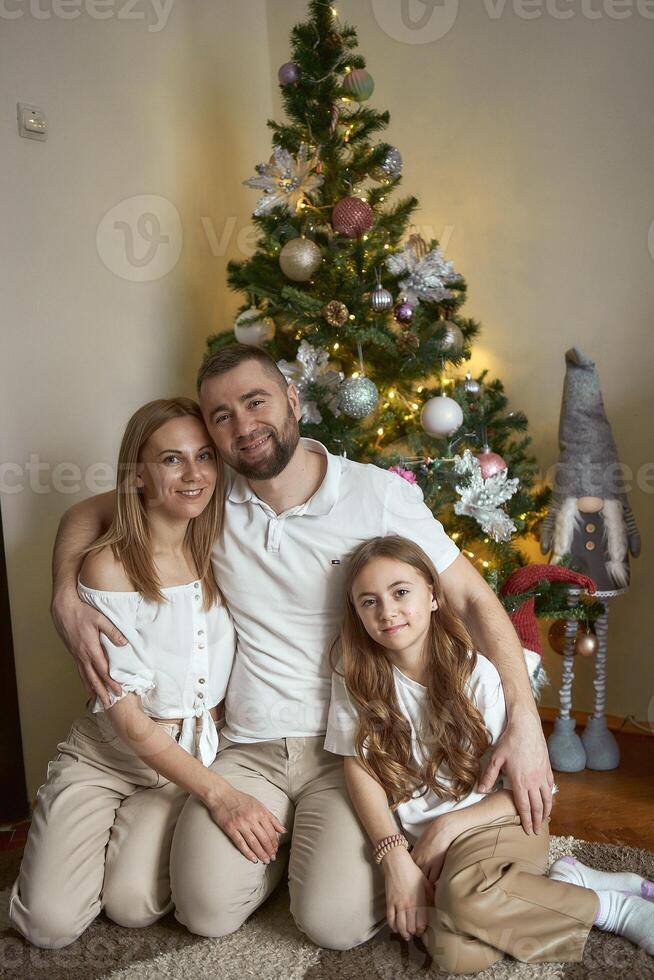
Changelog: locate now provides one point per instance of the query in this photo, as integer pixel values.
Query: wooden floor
(615, 807)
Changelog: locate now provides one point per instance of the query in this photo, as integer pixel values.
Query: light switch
(31, 122)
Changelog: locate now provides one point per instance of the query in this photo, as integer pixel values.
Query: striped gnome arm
(633, 534)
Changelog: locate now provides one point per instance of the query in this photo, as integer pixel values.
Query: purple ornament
(404, 312)
(289, 73)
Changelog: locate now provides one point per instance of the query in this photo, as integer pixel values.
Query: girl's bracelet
(386, 844)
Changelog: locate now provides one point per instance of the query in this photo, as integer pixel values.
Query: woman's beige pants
(100, 839)
(493, 897)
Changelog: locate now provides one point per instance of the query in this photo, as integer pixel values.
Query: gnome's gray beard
(568, 518)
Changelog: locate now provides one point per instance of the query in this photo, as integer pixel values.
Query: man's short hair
(230, 357)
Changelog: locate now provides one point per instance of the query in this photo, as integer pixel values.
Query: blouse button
(590, 546)
(200, 694)
(196, 585)
(200, 646)
(590, 528)
(200, 632)
(197, 596)
(201, 680)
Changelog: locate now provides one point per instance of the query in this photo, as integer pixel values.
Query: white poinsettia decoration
(425, 277)
(285, 180)
(312, 367)
(483, 499)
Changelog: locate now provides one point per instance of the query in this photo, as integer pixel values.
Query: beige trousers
(100, 839)
(336, 891)
(493, 897)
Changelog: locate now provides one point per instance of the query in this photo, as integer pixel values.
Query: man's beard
(283, 444)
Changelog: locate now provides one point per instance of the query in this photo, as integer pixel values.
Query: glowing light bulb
(391, 394)
(336, 346)
(380, 432)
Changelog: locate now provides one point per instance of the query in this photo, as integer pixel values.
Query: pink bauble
(352, 217)
(491, 464)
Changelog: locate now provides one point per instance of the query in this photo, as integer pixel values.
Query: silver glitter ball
(381, 299)
(453, 340)
(358, 397)
(392, 165)
(471, 386)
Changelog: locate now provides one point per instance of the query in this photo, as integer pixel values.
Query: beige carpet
(269, 947)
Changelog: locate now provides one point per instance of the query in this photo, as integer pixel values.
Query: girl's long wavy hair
(454, 736)
(129, 533)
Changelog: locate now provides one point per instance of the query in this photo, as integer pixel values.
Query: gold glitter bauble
(299, 259)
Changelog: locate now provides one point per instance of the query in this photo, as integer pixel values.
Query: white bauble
(253, 328)
(441, 416)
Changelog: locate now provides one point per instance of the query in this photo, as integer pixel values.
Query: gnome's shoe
(567, 753)
(602, 750)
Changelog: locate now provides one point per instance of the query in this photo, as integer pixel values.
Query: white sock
(629, 916)
(569, 869)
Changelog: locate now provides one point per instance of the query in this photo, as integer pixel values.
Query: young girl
(102, 827)
(416, 711)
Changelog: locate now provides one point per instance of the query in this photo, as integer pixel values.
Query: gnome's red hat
(523, 579)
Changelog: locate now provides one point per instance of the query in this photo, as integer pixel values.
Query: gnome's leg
(602, 751)
(567, 753)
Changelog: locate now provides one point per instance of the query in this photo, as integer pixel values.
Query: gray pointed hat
(588, 463)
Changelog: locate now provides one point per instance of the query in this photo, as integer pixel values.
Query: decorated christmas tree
(365, 317)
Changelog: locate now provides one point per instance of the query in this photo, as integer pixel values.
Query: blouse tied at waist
(178, 658)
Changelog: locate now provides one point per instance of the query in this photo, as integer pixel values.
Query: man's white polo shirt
(282, 576)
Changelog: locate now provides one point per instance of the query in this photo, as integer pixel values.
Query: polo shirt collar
(319, 504)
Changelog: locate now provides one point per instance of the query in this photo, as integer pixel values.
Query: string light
(380, 432)
(420, 390)
(336, 346)
(391, 394)
(352, 316)
(387, 245)
(485, 564)
(414, 406)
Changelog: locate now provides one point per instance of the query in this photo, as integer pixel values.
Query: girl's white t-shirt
(486, 692)
(178, 657)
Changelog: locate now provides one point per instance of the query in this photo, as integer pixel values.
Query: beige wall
(178, 113)
(528, 142)
(530, 145)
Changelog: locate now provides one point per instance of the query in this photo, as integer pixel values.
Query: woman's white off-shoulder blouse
(178, 657)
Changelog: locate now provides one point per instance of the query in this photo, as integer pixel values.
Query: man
(292, 513)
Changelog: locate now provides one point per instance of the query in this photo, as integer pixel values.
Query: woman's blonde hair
(454, 737)
(129, 533)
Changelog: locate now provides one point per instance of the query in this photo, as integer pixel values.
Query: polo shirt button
(590, 528)
(200, 694)
(200, 646)
(200, 632)
(196, 585)
(197, 596)
(590, 546)
(201, 680)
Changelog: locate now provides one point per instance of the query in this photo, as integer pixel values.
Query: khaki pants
(99, 839)
(336, 891)
(493, 897)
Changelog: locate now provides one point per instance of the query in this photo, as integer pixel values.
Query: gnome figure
(590, 519)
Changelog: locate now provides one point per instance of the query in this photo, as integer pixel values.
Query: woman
(102, 826)
(415, 712)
